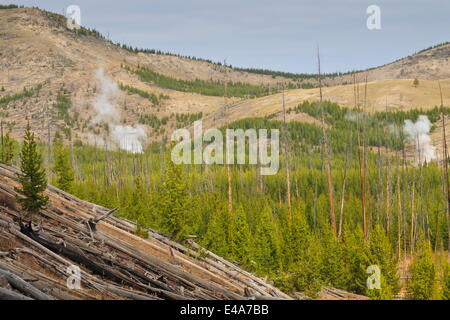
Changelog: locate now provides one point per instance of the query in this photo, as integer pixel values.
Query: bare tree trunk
(388, 198)
(412, 220)
(23, 286)
(286, 154)
(341, 216)
(326, 152)
(361, 159)
(364, 162)
(445, 163)
(2, 141)
(399, 222)
(388, 185)
(230, 193)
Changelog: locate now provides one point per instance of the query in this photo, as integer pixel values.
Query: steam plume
(129, 138)
(418, 133)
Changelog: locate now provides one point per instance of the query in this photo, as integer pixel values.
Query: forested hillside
(292, 242)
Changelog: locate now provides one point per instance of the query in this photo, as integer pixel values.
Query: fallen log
(93, 222)
(24, 287)
(6, 294)
(43, 282)
(85, 276)
(4, 283)
(340, 294)
(258, 297)
(127, 293)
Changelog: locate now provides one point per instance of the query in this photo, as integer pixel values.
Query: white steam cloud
(129, 138)
(418, 133)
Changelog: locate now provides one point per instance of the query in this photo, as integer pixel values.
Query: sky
(281, 35)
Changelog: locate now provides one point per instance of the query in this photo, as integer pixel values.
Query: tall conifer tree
(62, 166)
(174, 202)
(423, 282)
(32, 178)
(239, 235)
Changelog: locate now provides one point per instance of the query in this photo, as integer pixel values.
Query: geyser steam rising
(418, 133)
(129, 138)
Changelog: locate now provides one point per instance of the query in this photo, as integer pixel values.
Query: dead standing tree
(361, 156)
(445, 164)
(347, 160)
(230, 193)
(286, 154)
(326, 149)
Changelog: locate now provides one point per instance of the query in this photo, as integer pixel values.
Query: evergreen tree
(382, 255)
(239, 236)
(332, 270)
(216, 235)
(295, 242)
(62, 166)
(135, 209)
(7, 150)
(356, 257)
(423, 281)
(266, 245)
(173, 202)
(33, 179)
(305, 276)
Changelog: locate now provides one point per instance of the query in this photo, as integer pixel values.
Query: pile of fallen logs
(74, 240)
(336, 294)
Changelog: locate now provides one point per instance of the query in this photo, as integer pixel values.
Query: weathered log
(258, 297)
(341, 294)
(127, 294)
(301, 296)
(43, 282)
(6, 294)
(85, 277)
(4, 283)
(23, 286)
(93, 222)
